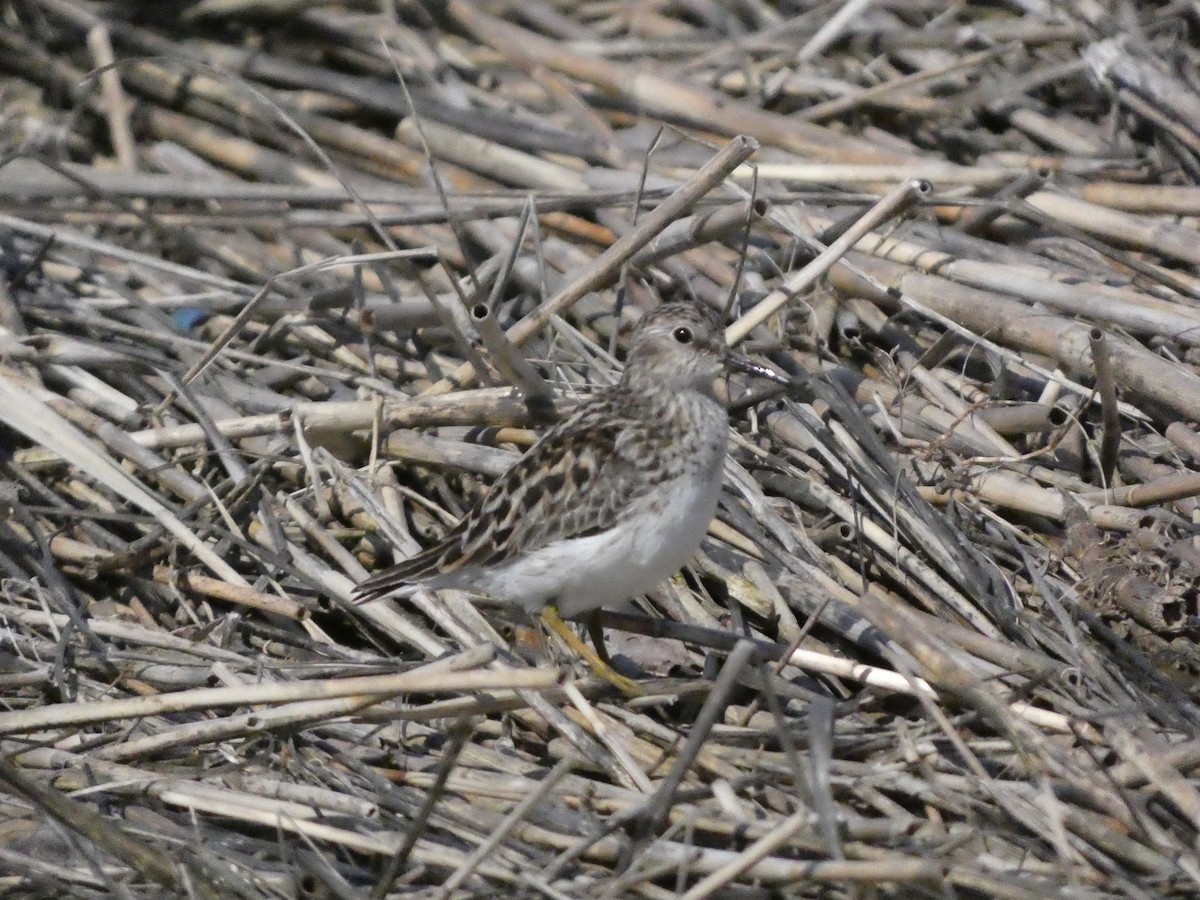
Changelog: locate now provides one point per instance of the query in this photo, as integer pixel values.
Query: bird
(611, 501)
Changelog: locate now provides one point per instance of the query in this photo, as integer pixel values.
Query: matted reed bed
(285, 285)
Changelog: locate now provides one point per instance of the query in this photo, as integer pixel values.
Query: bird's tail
(391, 581)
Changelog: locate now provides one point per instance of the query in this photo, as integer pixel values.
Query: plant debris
(285, 285)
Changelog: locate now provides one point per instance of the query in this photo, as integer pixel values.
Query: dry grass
(249, 353)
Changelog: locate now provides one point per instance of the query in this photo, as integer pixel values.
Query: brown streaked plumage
(610, 501)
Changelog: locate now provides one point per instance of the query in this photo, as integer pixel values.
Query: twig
(1110, 441)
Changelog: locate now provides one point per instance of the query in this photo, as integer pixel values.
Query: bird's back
(607, 461)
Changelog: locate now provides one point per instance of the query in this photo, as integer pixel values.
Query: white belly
(605, 569)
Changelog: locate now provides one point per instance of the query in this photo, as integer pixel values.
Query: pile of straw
(284, 286)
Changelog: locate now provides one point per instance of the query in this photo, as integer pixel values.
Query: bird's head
(681, 346)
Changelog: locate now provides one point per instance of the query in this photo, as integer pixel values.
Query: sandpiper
(611, 501)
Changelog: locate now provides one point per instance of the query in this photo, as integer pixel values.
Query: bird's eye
(683, 335)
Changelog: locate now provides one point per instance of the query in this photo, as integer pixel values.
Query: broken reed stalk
(101, 831)
(85, 713)
(606, 266)
(1110, 439)
(896, 202)
(699, 229)
(974, 220)
(504, 355)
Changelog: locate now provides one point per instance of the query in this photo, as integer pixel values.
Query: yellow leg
(602, 669)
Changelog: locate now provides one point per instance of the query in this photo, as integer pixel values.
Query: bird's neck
(655, 384)
(686, 405)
